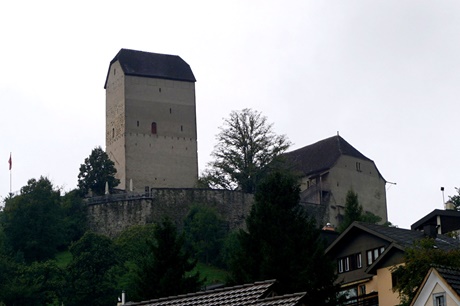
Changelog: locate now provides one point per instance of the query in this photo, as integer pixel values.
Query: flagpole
(10, 162)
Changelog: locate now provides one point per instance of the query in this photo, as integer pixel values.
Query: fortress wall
(111, 214)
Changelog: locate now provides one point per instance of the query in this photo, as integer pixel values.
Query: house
(329, 169)
(444, 221)
(256, 294)
(366, 254)
(441, 287)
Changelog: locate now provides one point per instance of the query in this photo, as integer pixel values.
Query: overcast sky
(385, 74)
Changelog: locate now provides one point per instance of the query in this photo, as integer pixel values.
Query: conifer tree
(167, 269)
(283, 243)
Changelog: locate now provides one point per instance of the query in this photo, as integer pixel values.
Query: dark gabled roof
(449, 220)
(452, 277)
(322, 155)
(401, 238)
(152, 65)
(249, 294)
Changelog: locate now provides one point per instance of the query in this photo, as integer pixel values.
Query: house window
(439, 299)
(349, 263)
(373, 254)
(358, 166)
(154, 128)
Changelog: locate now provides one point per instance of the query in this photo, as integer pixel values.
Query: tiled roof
(400, 237)
(452, 277)
(153, 65)
(248, 294)
(406, 238)
(322, 155)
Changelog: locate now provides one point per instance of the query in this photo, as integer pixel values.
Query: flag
(10, 161)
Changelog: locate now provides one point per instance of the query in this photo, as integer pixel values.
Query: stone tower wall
(161, 156)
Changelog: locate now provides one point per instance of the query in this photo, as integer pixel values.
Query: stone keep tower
(151, 120)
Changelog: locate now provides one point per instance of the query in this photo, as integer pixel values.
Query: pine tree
(167, 269)
(282, 243)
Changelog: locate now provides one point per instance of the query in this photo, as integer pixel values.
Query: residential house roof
(448, 220)
(322, 155)
(398, 240)
(258, 294)
(447, 277)
(152, 65)
(399, 236)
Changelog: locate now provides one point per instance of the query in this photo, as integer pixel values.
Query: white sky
(385, 73)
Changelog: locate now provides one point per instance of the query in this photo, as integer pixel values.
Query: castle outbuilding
(329, 169)
(151, 133)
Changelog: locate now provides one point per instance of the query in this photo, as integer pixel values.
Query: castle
(151, 136)
(151, 120)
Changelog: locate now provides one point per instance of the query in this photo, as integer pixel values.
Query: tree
(455, 199)
(283, 243)
(97, 170)
(353, 210)
(204, 232)
(167, 269)
(91, 280)
(246, 146)
(75, 218)
(418, 260)
(32, 221)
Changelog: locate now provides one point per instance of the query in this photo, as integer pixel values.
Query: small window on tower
(114, 71)
(181, 128)
(170, 110)
(137, 123)
(113, 133)
(154, 128)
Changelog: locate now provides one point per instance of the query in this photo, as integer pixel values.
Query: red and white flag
(10, 162)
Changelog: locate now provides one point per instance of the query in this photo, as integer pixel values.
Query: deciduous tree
(418, 260)
(97, 170)
(32, 221)
(204, 232)
(246, 146)
(91, 280)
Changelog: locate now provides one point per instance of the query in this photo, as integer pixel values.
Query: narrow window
(113, 133)
(170, 111)
(359, 262)
(181, 128)
(347, 263)
(137, 123)
(439, 299)
(159, 89)
(154, 128)
(114, 71)
(376, 253)
(369, 258)
(340, 265)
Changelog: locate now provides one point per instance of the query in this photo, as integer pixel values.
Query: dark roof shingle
(153, 65)
(248, 294)
(322, 155)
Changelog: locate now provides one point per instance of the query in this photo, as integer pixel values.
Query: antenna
(443, 201)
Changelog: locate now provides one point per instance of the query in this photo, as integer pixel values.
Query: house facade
(441, 287)
(151, 133)
(365, 255)
(329, 169)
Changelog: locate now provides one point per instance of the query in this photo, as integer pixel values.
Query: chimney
(430, 230)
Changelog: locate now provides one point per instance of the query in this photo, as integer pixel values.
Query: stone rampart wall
(111, 214)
